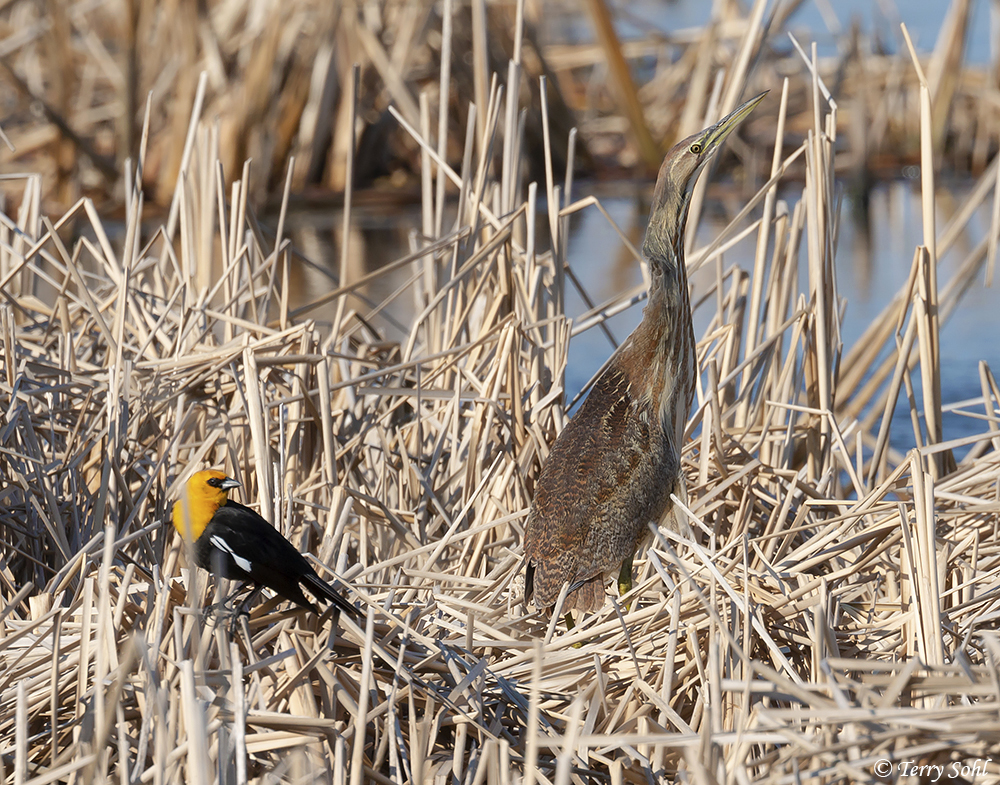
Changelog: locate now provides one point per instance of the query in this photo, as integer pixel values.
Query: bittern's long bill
(613, 468)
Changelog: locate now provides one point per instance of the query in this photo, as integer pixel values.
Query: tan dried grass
(824, 611)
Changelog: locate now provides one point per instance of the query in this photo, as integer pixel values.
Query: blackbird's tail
(324, 590)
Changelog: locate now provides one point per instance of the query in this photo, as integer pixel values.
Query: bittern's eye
(696, 148)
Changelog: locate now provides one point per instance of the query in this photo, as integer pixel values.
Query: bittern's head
(678, 174)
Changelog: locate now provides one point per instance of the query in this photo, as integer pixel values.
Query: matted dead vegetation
(833, 605)
(75, 76)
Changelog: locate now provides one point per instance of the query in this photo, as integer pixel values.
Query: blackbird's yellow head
(203, 494)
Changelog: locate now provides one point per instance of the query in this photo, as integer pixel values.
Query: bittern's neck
(660, 350)
(664, 243)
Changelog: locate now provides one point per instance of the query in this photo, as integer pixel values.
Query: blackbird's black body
(245, 547)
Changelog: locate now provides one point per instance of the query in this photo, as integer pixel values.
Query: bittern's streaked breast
(614, 466)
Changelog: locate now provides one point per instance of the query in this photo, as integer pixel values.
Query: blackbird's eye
(215, 482)
(696, 148)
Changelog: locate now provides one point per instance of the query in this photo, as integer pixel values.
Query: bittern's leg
(625, 576)
(570, 624)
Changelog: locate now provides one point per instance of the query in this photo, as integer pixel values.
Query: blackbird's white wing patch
(223, 546)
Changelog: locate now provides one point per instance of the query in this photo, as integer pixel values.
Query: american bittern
(614, 466)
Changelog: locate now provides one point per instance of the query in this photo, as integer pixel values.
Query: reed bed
(828, 610)
(77, 74)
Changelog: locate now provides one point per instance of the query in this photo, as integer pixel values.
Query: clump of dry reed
(277, 85)
(832, 605)
(76, 76)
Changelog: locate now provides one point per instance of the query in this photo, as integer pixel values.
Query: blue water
(867, 278)
(821, 22)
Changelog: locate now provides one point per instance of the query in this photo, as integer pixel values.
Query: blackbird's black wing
(249, 548)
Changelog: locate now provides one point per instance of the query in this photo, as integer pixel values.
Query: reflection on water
(873, 262)
(376, 238)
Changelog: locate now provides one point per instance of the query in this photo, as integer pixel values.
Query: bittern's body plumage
(613, 468)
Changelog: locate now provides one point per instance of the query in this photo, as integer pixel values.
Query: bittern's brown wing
(611, 470)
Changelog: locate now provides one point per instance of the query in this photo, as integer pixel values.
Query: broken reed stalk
(809, 594)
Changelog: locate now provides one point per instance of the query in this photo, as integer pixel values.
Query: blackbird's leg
(242, 611)
(222, 607)
(251, 598)
(225, 610)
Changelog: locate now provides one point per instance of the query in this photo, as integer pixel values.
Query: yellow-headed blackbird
(234, 541)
